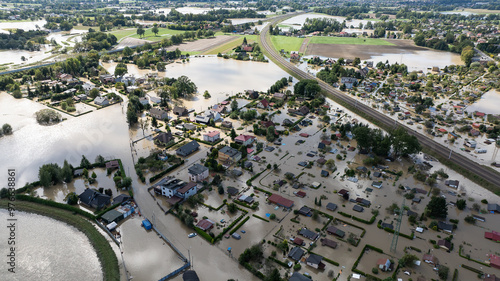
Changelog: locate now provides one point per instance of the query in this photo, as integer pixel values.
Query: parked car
(191, 235)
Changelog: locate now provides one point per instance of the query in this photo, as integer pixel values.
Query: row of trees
(375, 140)
(24, 40)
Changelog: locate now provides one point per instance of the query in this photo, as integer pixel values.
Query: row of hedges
(353, 225)
(28, 187)
(328, 260)
(205, 235)
(249, 182)
(260, 218)
(173, 143)
(254, 271)
(284, 264)
(239, 225)
(262, 190)
(55, 205)
(469, 259)
(226, 229)
(372, 220)
(161, 174)
(472, 269)
(354, 267)
(400, 234)
(330, 218)
(254, 206)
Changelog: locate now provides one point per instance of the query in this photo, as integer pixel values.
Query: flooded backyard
(489, 103)
(69, 255)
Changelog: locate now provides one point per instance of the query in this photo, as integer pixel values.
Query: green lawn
(287, 43)
(123, 33)
(162, 32)
(349, 41)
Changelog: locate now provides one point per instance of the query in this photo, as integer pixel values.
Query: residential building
(445, 227)
(493, 208)
(181, 111)
(445, 244)
(495, 236)
(314, 261)
(187, 190)
(163, 138)
(430, 259)
(452, 183)
(384, 264)
(264, 104)
(197, 172)
(245, 140)
(296, 276)
(495, 261)
(158, 113)
(335, 231)
(205, 224)
(298, 241)
(227, 124)
(212, 136)
(279, 96)
(202, 119)
(102, 101)
(168, 186)
(331, 206)
(296, 253)
(188, 149)
(229, 155)
(280, 201)
(94, 199)
(309, 234)
(328, 243)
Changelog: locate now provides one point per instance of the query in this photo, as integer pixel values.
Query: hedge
(239, 225)
(469, 259)
(455, 275)
(254, 271)
(372, 220)
(254, 206)
(249, 182)
(345, 215)
(400, 234)
(472, 269)
(262, 190)
(260, 218)
(28, 187)
(205, 235)
(56, 205)
(284, 264)
(367, 246)
(229, 227)
(161, 174)
(98, 214)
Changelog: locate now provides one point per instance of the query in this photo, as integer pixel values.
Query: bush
(375, 270)
(297, 267)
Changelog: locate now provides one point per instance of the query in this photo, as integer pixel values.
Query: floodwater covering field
(489, 103)
(71, 254)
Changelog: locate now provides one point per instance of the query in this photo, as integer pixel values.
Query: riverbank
(106, 255)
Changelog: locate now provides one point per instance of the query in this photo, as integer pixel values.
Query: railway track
(481, 171)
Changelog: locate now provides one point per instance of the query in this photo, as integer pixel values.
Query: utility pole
(394, 242)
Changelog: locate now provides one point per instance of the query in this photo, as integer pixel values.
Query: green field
(162, 32)
(123, 33)
(287, 43)
(349, 41)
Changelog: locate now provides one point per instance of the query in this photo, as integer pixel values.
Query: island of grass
(106, 255)
(349, 41)
(287, 43)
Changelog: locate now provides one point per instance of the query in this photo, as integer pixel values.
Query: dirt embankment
(363, 52)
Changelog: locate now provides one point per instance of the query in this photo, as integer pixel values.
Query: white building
(211, 136)
(197, 173)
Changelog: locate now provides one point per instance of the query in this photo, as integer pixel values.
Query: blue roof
(147, 225)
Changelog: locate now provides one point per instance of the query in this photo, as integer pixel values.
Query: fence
(175, 272)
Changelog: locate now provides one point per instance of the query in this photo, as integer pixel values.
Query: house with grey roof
(197, 172)
(296, 253)
(188, 149)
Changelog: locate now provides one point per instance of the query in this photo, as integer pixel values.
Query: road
(483, 172)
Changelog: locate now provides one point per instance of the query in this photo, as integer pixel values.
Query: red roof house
(280, 201)
(495, 236)
(298, 241)
(305, 135)
(205, 224)
(300, 194)
(479, 114)
(495, 261)
(263, 104)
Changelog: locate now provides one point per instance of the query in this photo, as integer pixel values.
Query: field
(123, 33)
(350, 41)
(162, 32)
(287, 43)
(361, 51)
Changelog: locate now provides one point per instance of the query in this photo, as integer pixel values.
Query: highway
(481, 171)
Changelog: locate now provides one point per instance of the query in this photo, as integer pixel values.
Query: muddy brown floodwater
(41, 257)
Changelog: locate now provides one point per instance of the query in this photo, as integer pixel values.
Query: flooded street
(69, 255)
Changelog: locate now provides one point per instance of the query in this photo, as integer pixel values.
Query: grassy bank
(105, 253)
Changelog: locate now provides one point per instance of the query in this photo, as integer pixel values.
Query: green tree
(85, 163)
(270, 135)
(234, 105)
(140, 31)
(272, 216)
(221, 190)
(232, 208)
(273, 276)
(121, 69)
(155, 29)
(443, 272)
(127, 52)
(49, 174)
(437, 208)
(408, 260)
(363, 136)
(356, 61)
(184, 87)
(206, 94)
(461, 204)
(403, 143)
(7, 129)
(67, 172)
(72, 198)
(232, 134)
(467, 55)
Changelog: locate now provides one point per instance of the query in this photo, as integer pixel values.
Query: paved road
(481, 171)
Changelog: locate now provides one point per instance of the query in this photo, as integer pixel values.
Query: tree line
(22, 40)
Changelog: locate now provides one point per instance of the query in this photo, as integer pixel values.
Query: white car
(191, 235)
